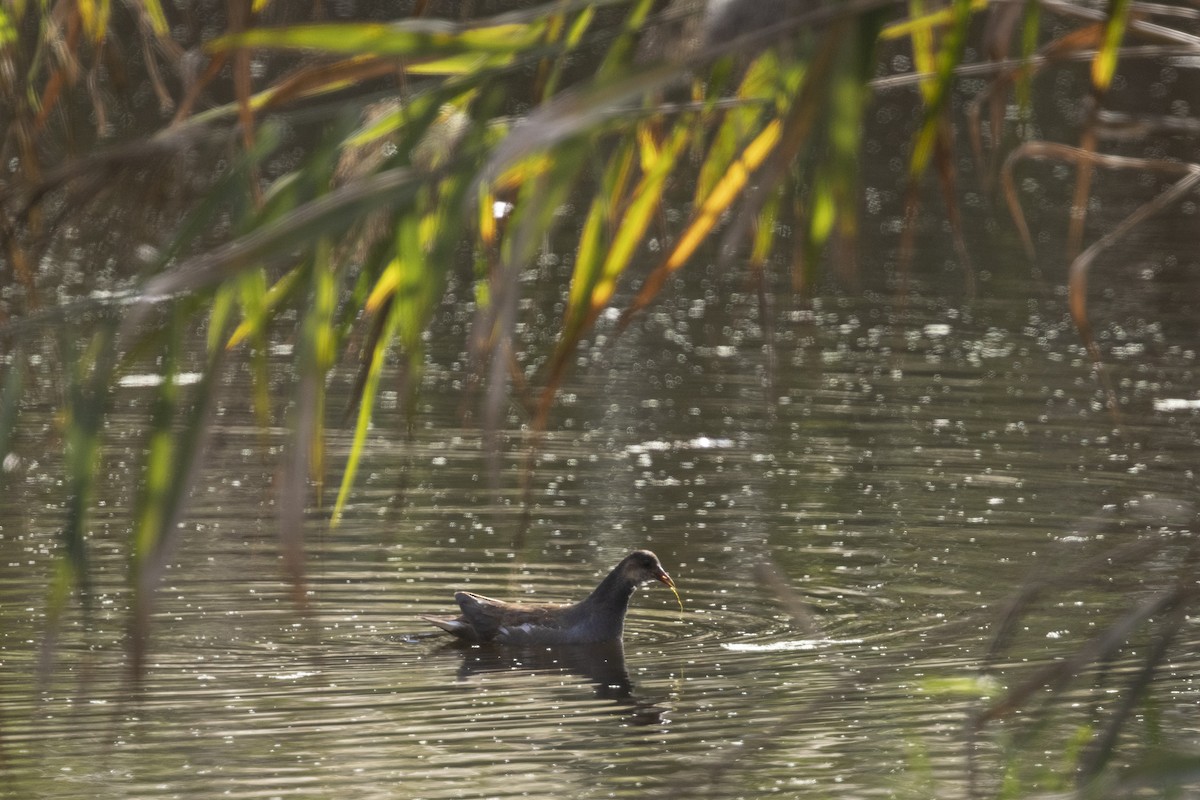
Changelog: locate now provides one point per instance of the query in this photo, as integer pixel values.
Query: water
(846, 514)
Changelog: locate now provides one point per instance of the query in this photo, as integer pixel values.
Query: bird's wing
(491, 617)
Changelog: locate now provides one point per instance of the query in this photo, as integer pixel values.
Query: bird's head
(642, 565)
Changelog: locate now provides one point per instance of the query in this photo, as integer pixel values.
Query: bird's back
(510, 622)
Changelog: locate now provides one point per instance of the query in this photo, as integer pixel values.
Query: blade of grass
(1101, 750)
(329, 214)
(366, 405)
(533, 216)
(726, 192)
(597, 288)
(404, 296)
(10, 400)
(1115, 25)
(87, 380)
(739, 123)
(1101, 646)
(411, 38)
(188, 452)
(589, 257)
(8, 30)
(154, 500)
(95, 14)
(158, 20)
(259, 312)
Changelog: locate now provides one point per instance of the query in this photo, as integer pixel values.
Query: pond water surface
(846, 514)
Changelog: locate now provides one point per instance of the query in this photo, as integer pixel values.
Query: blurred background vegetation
(189, 187)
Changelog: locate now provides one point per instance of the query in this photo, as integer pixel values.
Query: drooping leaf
(174, 453)
(644, 203)
(739, 122)
(1104, 66)
(1029, 42)
(10, 401)
(590, 254)
(573, 113)
(724, 194)
(366, 403)
(936, 90)
(921, 21)
(95, 15)
(158, 20)
(412, 38)
(331, 213)
(259, 312)
(592, 289)
(8, 30)
(619, 52)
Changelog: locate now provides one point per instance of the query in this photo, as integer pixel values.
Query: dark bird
(599, 617)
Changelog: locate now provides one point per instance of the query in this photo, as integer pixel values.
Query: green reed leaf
(412, 38)
(1104, 66)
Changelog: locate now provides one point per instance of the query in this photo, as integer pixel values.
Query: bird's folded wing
(489, 616)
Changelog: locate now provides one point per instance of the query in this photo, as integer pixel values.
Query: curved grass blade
(1029, 40)
(921, 22)
(95, 15)
(10, 401)
(1080, 266)
(321, 344)
(937, 90)
(800, 108)
(157, 474)
(595, 287)
(411, 38)
(406, 295)
(739, 124)
(590, 254)
(1048, 150)
(834, 200)
(933, 142)
(259, 311)
(1101, 750)
(158, 20)
(724, 195)
(8, 30)
(254, 298)
(304, 456)
(533, 215)
(573, 113)
(329, 214)
(619, 52)
(551, 73)
(366, 404)
(175, 452)
(87, 379)
(645, 202)
(1101, 646)
(1105, 64)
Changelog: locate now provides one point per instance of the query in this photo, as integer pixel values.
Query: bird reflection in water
(603, 665)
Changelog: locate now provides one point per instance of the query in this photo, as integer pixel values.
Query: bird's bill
(665, 578)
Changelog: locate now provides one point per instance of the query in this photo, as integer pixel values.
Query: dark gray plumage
(599, 617)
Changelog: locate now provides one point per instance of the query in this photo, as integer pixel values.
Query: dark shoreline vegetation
(243, 177)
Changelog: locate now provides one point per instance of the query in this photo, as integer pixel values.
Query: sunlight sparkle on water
(1176, 404)
(149, 380)
(793, 644)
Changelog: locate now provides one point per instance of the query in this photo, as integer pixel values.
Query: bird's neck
(612, 593)
(604, 609)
